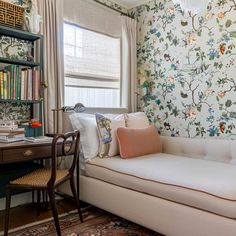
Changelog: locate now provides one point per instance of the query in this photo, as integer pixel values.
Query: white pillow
(86, 124)
(107, 125)
(137, 120)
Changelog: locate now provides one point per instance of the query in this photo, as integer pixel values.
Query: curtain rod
(103, 4)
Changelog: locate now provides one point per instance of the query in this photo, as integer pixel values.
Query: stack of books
(19, 83)
(11, 133)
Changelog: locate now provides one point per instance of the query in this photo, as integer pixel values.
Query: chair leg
(51, 195)
(38, 201)
(7, 213)
(33, 196)
(76, 197)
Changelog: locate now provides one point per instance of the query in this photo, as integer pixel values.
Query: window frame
(98, 78)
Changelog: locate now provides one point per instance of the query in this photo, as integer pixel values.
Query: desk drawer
(29, 153)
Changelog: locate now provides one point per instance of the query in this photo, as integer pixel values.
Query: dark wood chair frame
(68, 146)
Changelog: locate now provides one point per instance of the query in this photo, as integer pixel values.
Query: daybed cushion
(202, 184)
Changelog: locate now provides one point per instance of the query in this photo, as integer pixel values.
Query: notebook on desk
(38, 139)
(11, 140)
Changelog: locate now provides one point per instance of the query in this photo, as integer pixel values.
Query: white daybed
(187, 190)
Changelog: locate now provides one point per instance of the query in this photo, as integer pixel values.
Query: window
(92, 68)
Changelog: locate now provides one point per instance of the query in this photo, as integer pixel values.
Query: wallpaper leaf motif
(187, 67)
(114, 5)
(15, 111)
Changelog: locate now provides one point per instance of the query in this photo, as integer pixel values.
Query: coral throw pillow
(138, 142)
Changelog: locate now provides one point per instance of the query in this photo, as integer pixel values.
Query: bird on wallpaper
(167, 126)
(167, 57)
(184, 23)
(222, 48)
(183, 95)
(222, 127)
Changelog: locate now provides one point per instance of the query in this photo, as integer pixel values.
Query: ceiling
(130, 3)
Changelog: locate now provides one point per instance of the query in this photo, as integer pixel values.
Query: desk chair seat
(39, 178)
(49, 179)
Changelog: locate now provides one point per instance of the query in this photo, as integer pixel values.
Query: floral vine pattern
(114, 5)
(14, 48)
(14, 111)
(186, 68)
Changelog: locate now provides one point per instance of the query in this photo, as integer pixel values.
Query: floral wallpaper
(187, 68)
(15, 111)
(14, 48)
(113, 5)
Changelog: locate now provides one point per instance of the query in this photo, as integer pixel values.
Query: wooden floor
(26, 214)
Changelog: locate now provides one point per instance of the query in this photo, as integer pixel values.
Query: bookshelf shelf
(19, 34)
(20, 101)
(18, 62)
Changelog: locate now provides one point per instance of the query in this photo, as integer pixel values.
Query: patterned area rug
(96, 223)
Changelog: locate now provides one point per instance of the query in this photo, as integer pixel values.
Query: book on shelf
(17, 83)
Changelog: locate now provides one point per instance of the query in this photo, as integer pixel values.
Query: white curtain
(52, 29)
(129, 63)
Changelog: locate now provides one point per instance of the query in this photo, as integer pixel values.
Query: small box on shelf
(32, 132)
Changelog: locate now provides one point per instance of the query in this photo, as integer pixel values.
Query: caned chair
(49, 179)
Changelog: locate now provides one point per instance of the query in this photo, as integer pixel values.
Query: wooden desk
(24, 151)
(28, 151)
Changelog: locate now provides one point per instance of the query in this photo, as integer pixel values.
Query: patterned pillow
(107, 125)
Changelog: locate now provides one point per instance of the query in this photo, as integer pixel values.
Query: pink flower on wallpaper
(221, 15)
(221, 94)
(171, 79)
(191, 113)
(208, 16)
(208, 92)
(191, 39)
(171, 10)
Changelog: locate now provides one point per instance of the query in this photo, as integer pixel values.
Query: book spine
(15, 84)
(39, 84)
(1, 84)
(26, 84)
(8, 85)
(22, 85)
(12, 81)
(18, 82)
(30, 73)
(5, 84)
(33, 85)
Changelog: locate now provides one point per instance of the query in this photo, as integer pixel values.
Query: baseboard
(17, 200)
